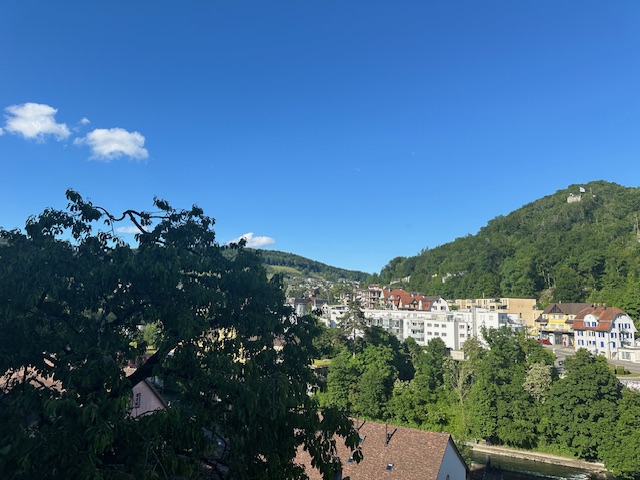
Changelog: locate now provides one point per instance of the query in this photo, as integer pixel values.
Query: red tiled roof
(413, 454)
(402, 299)
(605, 316)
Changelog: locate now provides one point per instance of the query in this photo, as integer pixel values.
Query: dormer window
(389, 467)
(591, 321)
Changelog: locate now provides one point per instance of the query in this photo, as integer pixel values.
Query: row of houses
(602, 330)
(454, 328)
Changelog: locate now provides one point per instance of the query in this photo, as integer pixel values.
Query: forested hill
(552, 249)
(291, 264)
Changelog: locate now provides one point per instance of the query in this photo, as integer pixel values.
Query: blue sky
(347, 132)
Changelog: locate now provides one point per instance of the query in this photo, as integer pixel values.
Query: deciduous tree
(72, 298)
(582, 406)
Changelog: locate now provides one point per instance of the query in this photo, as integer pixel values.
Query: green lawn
(322, 363)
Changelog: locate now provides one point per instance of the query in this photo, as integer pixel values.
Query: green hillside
(550, 249)
(294, 265)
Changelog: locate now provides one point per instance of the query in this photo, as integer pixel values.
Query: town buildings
(555, 323)
(421, 317)
(606, 331)
(521, 309)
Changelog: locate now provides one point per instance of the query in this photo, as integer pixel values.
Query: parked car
(544, 341)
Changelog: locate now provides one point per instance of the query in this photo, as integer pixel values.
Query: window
(389, 467)
(135, 402)
(444, 334)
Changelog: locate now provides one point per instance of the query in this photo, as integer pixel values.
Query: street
(562, 352)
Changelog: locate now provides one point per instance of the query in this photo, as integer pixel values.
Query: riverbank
(594, 467)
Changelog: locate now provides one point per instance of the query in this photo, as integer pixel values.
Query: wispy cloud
(129, 229)
(254, 242)
(35, 121)
(109, 144)
(84, 121)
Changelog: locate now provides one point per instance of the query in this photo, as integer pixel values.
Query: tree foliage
(621, 449)
(361, 381)
(507, 393)
(582, 405)
(501, 409)
(581, 251)
(73, 296)
(538, 381)
(353, 323)
(309, 267)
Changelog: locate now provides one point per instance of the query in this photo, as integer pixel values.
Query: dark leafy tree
(329, 342)
(341, 382)
(430, 365)
(500, 409)
(620, 451)
(72, 299)
(582, 406)
(423, 401)
(568, 286)
(401, 359)
(353, 323)
(375, 381)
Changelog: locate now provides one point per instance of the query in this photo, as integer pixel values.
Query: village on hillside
(600, 329)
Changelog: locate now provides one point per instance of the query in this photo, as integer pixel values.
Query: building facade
(604, 331)
(521, 309)
(555, 323)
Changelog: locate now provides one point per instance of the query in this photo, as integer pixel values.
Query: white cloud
(35, 121)
(84, 121)
(254, 242)
(129, 229)
(108, 144)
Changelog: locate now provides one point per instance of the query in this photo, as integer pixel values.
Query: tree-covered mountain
(586, 249)
(295, 264)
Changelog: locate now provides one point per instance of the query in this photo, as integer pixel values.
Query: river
(520, 469)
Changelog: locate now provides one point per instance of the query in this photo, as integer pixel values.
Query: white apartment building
(606, 331)
(333, 313)
(452, 327)
(422, 326)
